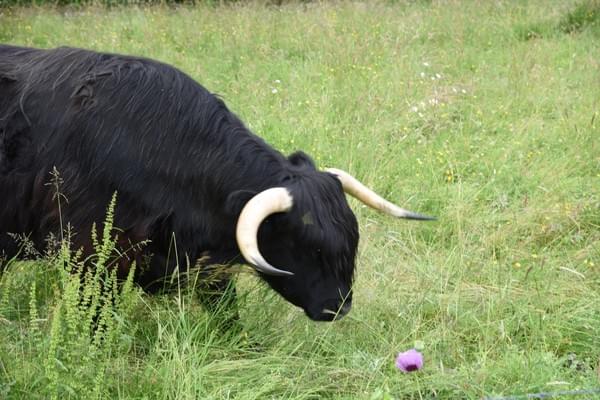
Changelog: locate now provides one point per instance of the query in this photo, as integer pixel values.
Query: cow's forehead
(322, 217)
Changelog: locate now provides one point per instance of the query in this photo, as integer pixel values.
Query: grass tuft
(583, 16)
(586, 14)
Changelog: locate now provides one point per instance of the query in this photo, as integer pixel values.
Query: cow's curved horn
(259, 207)
(356, 189)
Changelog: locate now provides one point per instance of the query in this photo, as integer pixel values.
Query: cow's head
(306, 228)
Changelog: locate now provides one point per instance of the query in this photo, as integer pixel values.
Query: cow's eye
(307, 218)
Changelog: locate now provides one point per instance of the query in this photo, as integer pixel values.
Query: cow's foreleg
(218, 296)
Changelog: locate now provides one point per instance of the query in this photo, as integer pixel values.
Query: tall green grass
(448, 108)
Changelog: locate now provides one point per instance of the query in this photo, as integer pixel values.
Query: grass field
(485, 114)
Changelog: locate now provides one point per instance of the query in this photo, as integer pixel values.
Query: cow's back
(107, 123)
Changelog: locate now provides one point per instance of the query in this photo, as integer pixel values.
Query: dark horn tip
(275, 272)
(420, 217)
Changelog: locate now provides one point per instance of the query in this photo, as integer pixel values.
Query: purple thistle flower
(409, 361)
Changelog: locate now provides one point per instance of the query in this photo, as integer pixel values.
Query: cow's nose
(341, 310)
(345, 309)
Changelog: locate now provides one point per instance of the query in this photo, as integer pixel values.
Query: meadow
(484, 114)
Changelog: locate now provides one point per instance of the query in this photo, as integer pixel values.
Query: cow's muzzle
(329, 314)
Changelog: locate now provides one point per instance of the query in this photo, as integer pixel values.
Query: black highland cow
(188, 174)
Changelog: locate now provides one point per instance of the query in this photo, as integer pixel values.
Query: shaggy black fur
(182, 164)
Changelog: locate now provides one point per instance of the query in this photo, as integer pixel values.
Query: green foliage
(88, 316)
(107, 3)
(585, 15)
(439, 106)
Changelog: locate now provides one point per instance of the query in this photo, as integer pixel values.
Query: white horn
(362, 193)
(259, 207)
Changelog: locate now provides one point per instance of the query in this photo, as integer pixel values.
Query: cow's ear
(237, 200)
(301, 159)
